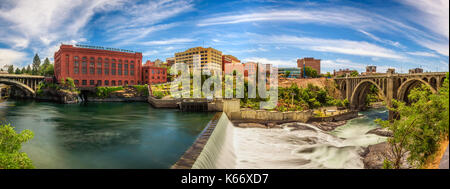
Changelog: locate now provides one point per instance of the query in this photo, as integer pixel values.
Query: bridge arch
(18, 84)
(408, 85)
(359, 94)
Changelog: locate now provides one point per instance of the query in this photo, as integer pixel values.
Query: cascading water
(295, 146)
(218, 152)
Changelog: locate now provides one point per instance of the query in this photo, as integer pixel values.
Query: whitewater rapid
(304, 146)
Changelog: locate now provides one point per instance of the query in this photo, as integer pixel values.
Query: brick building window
(126, 82)
(99, 66)
(113, 68)
(84, 65)
(99, 82)
(91, 82)
(76, 82)
(84, 82)
(92, 66)
(132, 68)
(106, 70)
(76, 65)
(120, 82)
(119, 68)
(113, 83)
(125, 67)
(106, 82)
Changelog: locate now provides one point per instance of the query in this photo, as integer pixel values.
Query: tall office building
(207, 55)
(309, 62)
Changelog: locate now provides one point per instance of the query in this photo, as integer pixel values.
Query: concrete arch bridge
(26, 83)
(390, 86)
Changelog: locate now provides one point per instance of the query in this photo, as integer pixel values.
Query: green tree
(288, 73)
(10, 145)
(10, 69)
(17, 71)
(310, 72)
(419, 126)
(36, 65)
(48, 70)
(45, 65)
(23, 71)
(29, 71)
(354, 74)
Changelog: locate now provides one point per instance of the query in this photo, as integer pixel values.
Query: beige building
(207, 55)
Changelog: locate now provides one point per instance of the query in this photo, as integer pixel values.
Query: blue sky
(401, 34)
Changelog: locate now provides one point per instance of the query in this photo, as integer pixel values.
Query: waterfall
(218, 152)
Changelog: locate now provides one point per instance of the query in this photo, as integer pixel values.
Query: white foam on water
(294, 146)
(304, 148)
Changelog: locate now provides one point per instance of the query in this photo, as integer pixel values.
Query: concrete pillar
(349, 88)
(390, 93)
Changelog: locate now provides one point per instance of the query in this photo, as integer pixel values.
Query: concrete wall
(339, 117)
(160, 103)
(132, 99)
(264, 115)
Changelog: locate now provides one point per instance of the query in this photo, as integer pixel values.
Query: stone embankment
(60, 96)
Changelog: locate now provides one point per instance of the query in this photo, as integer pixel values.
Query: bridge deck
(21, 76)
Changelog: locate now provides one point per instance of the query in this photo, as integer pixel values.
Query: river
(305, 146)
(103, 135)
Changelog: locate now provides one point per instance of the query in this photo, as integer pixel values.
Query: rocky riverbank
(374, 156)
(60, 96)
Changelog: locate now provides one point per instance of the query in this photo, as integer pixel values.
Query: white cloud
(421, 53)
(434, 15)
(330, 65)
(168, 41)
(385, 41)
(48, 21)
(11, 57)
(341, 46)
(435, 18)
(275, 63)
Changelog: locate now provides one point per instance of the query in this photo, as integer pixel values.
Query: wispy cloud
(385, 41)
(357, 19)
(330, 65)
(359, 48)
(421, 53)
(11, 57)
(274, 62)
(168, 41)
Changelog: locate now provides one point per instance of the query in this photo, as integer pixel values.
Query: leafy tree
(36, 65)
(48, 70)
(419, 127)
(45, 69)
(10, 69)
(310, 72)
(288, 73)
(17, 71)
(354, 74)
(10, 145)
(23, 71)
(29, 71)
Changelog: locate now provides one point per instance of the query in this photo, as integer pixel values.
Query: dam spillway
(293, 146)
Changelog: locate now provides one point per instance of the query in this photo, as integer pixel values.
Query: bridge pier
(390, 85)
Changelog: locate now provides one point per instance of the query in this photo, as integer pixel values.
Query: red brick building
(91, 66)
(309, 62)
(152, 74)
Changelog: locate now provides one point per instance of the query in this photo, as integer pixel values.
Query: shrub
(142, 89)
(10, 145)
(103, 92)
